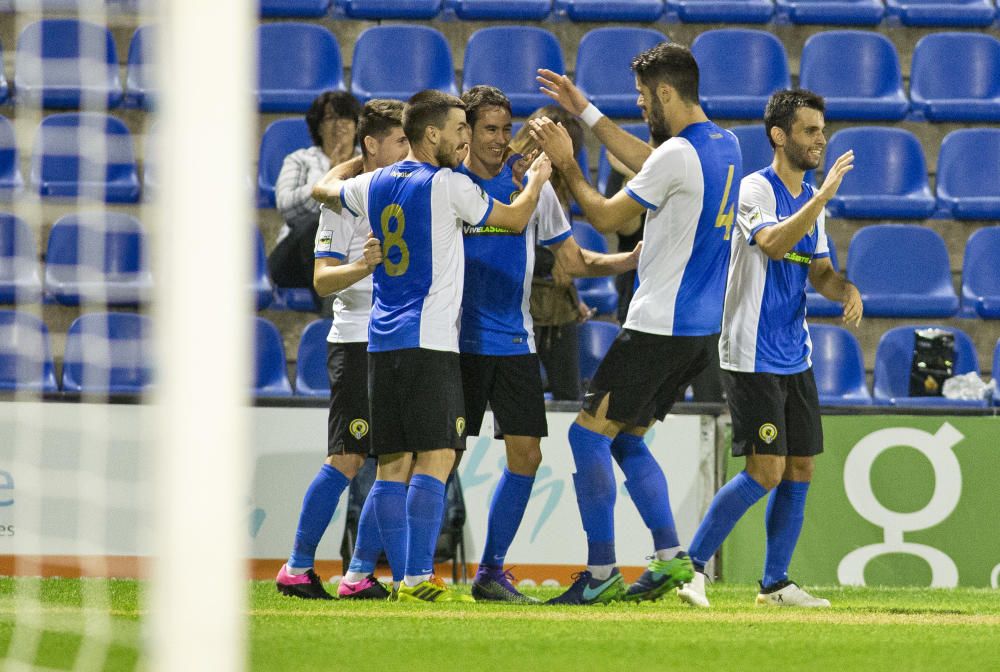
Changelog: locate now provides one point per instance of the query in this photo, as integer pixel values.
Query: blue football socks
(730, 503)
(388, 499)
(647, 485)
(595, 492)
(317, 509)
(786, 509)
(368, 543)
(424, 508)
(506, 511)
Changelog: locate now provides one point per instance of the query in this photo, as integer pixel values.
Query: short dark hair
(671, 64)
(427, 108)
(482, 96)
(379, 117)
(781, 107)
(343, 105)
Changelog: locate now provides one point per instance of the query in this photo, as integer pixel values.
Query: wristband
(591, 115)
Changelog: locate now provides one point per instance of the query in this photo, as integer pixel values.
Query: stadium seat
(611, 10)
(981, 274)
(428, 65)
(262, 288)
(98, 258)
(25, 356)
(66, 162)
(889, 178)
(377, 10)
(500, 10)
(603, 67)
(270, 365)
(830, 12)
(595, 339)
(108, 353)
(894, 359)
(757, 151)
(902, 270)
(604, 166)
(600, 292)
(996, 372)
(311, 379)
(740, 68)
(508, 57)
(958, 13)
(818, 305)
(866, 86)
(297, 62)
(305, 9)
(150, 158)
(139, 77)
(281, 138)
(11, 182)
(67, 64)
(839, 366)
(4, 86)
(956, 77)
(20, 279)
(721, 11)
(968, 174)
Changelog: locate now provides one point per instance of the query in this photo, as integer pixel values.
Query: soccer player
(416, 208)
(345, 259)
(779, 242)
(496, 341)
(689, 186)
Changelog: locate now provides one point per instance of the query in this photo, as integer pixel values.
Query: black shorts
(643, 374)
(512, 385)
(774, 414)
(416, 401)
(348, 422)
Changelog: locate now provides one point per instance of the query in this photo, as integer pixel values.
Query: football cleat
(496, 585)
(588, 590)
(431, 590)
(368, 588)
(693, 592)
(661, 576)
(307, 586)
(788, 594)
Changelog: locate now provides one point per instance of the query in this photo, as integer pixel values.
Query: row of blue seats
(65, 63)
(109, 353)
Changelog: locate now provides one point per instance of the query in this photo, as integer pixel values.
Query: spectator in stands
(333, 123)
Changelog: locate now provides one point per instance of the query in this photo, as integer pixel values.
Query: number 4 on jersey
(725, 217)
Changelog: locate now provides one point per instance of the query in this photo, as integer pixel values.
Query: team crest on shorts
(768, 433)
(358, 428)
(460, 425)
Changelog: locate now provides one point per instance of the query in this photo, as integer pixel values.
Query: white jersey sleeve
(335, 233)
(354, 194)
(550, 218)
(757, 207)
(470, 203)
(822, 242)
(663, 173)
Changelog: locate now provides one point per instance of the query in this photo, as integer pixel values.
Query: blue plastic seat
(640, 131)
(611, 10)
(508, 57)
(968, 174)
(981, 274)
(603, 67)
(889, 178)
(831, 12)
(20, 279)
(25, 356)
(311, 378)
(866, 86)
(963, 13)
(956, 77)
(108, 353)
(11, 182)
(139, 77)
(756, 150)
(377, 10)
(894, 359)
(305, 9)
(66, 162)
(281, 138)
(501, 10)
(839, 366)
(98, 258)
(261, 285)
(902, 270)
(4, 86)
(270, 366)
(996, 372)
(740, 69)
(721, 11)
(599, 293)
(296, 63)
(67, 64)
(428, 64)
(595, 338)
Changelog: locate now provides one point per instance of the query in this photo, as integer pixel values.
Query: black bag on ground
(933, 361)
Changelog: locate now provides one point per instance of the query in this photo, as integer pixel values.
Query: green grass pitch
(867, 629)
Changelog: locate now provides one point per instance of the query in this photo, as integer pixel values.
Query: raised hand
(519, 164)
(540, 170)
(554, 140)
(372, 251)
(561, 89)
(831, 183)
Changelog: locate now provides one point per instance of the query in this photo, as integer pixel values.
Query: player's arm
(515, 217)
(327, 190)
(581, 263)
(331, 274)
(629, 149)
(777, 239)
(607, 215)
(834, 286)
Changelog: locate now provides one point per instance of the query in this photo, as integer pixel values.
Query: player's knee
(349, 465)
(767, 472)
(799, 469)
(524, 460)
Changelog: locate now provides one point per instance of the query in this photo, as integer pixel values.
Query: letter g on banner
(937, 448)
